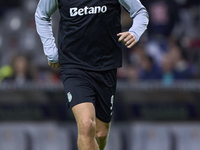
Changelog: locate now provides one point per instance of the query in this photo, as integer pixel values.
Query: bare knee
(87, 128)
(101, 137)
(102, 130)
(102, 134)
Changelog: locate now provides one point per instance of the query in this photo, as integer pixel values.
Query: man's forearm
(139, 15)
(43, 14)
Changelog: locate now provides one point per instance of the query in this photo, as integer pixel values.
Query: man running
(88, 55)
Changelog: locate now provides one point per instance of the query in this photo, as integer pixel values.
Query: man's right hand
(54, 65)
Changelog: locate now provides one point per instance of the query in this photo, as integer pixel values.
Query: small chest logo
(87, 10)
(69, 96)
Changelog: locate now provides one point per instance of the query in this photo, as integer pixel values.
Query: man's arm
(43, 14)
(140, 21)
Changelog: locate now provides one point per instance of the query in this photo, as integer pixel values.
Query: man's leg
(85, 117)
(102, 132)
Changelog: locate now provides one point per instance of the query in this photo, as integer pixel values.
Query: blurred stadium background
(158, 95)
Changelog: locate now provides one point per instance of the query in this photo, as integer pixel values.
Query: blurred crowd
(169, 50)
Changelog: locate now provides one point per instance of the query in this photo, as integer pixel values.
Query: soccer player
(88, 55)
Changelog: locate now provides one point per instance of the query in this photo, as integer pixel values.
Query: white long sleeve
(139, 14)
(46, 8)
(43, 14)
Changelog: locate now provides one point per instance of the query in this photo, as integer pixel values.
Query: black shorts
(90, 86)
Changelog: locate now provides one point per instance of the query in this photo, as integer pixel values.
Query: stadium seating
(49, 137)
(187, 136)
(12, 138)
(150, 137)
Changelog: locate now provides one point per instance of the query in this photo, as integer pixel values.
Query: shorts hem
(103, 120)
(97, 116)
(71, 106)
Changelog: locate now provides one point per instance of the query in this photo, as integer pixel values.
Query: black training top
(88, 31)
(87, 37)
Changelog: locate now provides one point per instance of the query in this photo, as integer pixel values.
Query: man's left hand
(128, 39)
